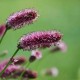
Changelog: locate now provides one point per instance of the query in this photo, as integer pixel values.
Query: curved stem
(39, 63)
(20, 78)
(10, 61)
(3, 36)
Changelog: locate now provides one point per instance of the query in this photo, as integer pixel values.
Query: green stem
(20, 78)
(3, 36)
(44, 57)
(41, 60)
(10, 61)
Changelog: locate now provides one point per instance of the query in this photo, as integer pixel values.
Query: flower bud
(36, 54)
(19, 60)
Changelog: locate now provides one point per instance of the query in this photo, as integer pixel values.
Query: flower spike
(41, 39)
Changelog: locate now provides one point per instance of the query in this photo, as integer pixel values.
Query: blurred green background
(62, 15)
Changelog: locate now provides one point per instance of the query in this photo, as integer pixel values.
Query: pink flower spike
(2, 30)
(40, 39)
(37, 54)
(21, 18)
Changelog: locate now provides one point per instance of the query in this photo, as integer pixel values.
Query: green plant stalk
(3, 36)
(20, 78)
(41, 60)
(10, 61)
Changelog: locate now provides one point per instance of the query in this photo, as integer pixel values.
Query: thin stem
(10, 61)
(20, 78)
(44, 57)
(3, 36)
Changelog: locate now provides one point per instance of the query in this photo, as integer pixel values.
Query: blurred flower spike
(62, 46)
(21, 18)
(59, 46)
(14, 71)
(51, 72)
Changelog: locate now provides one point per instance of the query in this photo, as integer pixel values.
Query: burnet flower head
(21, 18)
(18, 20)
(40, 39)
(14, 71)
(9, 70)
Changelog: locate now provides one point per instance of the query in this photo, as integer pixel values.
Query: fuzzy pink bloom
(2, 65)
(14, 71)
(2, 30)
(21, 18)
(16, 61)
(19, 60)
(36, 54)
(51, 72)
(9, 70)
(30, 74)
(61, 46)
(41, 39)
